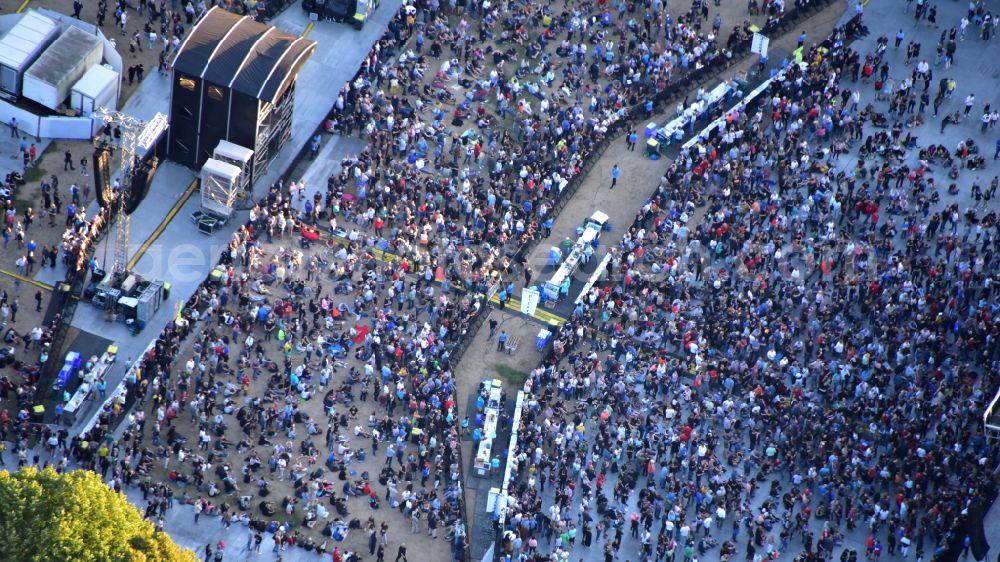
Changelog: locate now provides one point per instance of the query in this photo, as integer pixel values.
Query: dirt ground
(639, 177)
(483, 360)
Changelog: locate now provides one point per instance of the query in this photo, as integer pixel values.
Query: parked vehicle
(345, 11)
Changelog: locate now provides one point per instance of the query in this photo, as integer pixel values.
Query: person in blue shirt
(614, 176)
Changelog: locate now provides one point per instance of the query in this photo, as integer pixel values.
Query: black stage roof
(237, 52)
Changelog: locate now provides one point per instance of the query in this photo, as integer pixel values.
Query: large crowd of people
(464, 183)
(390, 334)
(784, 337)
(803, 364)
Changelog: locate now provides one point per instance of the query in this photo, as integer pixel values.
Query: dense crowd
(378, 373)
(759, 295)
(464, 183)
(785, 354)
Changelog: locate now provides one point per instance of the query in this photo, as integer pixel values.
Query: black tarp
(236, 52)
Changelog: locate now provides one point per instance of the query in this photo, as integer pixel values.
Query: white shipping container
(97, 88)
(49, 79)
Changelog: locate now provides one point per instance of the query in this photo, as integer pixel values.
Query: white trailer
(99, 87)
(49, 79)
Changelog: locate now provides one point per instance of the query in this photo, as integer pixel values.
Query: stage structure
(233, 80)
(137, 162)
(129, 127)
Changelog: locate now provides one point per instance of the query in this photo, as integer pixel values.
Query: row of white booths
(49, 62)
(492, 391)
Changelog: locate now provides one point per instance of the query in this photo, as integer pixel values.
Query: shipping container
(48, 81)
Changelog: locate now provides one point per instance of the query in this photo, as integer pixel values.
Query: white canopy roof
(23, 40)
(220, 168)
(233, 151)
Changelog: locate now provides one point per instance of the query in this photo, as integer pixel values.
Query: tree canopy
(74, 516)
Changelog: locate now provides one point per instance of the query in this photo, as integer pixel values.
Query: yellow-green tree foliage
(45, 516)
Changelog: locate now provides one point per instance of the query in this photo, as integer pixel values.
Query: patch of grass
(35, 173)
(21, 205)
(511, 375)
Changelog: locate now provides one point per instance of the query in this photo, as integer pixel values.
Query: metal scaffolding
(130, 128)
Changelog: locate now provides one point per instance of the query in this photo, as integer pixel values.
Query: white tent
(99, 87)
(220, 184)
(49, 79)
(21, 46)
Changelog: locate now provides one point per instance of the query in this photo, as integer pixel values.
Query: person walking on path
(614, 176)
(501, 340)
